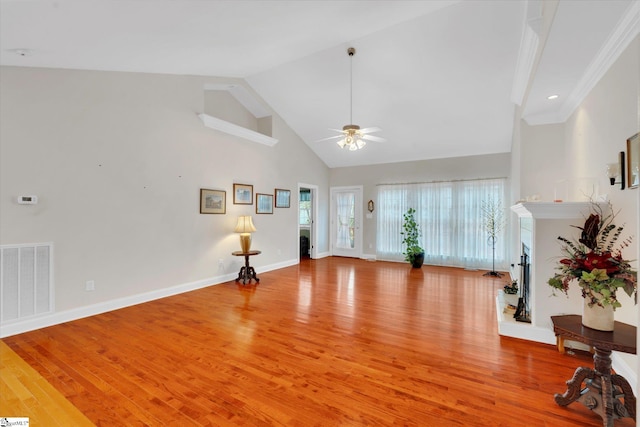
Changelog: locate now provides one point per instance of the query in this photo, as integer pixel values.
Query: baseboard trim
(622, 368)
(56, 318)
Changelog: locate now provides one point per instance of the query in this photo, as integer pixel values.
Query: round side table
(246, 272)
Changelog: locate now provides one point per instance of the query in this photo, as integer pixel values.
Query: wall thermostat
(27, 200)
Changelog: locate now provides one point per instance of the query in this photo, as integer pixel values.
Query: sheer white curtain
(345, 207)
(451, 220)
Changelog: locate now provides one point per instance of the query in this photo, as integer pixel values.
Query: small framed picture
(213, 201)
(242, 194)
(264, 203)
(283, 198)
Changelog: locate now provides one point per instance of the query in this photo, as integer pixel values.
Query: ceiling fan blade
(330, 138)
(337, 130)
(373, 138)
(370, 130)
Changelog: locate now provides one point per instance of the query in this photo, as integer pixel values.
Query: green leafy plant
(595, 261)
(511, 287)
(411, 233)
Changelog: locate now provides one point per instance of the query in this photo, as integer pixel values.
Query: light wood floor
(331, 342)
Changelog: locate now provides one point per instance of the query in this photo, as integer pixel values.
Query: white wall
(459, 168)
(117, 161)
(577, 152)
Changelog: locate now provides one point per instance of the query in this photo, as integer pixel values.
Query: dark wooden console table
(246, 272)
(607, 394)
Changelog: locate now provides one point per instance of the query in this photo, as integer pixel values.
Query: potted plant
(595, 261)
(511, 288)
(411, 231)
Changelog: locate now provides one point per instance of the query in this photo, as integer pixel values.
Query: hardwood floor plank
(329, 342)
(25, 393)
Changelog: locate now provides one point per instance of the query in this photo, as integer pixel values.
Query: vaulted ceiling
(440, 78)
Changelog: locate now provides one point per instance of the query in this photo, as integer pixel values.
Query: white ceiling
(436, 76)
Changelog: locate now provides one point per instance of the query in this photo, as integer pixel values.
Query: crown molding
(626, 30)
(528, 50)
(524, 67)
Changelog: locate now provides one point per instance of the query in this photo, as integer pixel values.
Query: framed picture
(264, 203)
(633, 161)
(283, 198)
(213, 201)
(242, 194)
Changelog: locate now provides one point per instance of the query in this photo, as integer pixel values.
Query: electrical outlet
(279, 252)
(90, 285)
(220, 262)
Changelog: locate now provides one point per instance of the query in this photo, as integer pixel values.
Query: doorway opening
(307, 211)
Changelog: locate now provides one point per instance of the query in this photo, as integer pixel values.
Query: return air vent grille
(26, 283)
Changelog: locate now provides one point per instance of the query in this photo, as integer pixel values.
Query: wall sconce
(615, 170)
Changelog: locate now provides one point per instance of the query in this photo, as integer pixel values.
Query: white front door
(346, 221)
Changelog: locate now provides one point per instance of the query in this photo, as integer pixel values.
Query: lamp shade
(245, 224)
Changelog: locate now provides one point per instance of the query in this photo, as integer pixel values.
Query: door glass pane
(345, 205)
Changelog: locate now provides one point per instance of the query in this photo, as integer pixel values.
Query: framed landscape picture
(213, 201)
(242, 194)
(264, 203)
(283, 198)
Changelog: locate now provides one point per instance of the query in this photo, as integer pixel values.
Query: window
(451, 221)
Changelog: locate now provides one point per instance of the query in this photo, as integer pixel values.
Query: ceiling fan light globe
(361, 143)
(341, 143)
(353, 147)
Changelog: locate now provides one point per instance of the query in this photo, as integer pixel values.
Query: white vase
(596, 317)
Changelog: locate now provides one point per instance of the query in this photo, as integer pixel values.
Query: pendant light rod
(351, 51)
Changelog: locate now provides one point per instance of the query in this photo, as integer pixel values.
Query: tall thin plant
(494, 223)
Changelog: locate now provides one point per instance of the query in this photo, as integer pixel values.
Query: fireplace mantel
(552, 210)
(540, 225)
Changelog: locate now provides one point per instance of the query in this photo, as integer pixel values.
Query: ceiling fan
(351, 136)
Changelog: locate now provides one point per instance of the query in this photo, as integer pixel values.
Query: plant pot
(418, 260)
(596, 317)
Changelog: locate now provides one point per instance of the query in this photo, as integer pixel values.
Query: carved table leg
(574, 386)
(252, 275)
(603, 390)
(247, 272)
(607, 399)
(242, 275)
(627, 395)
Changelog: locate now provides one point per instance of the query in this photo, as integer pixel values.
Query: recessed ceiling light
(21, 51)
(552, 97)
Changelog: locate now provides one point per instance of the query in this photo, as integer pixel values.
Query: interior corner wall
(515, 172)
(578, 150)
(542, 162)
(595, 134)
(449, 169)
(117, 161)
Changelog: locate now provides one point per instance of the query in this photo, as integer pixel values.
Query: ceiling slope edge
(626, 30)
(242, 95)
(235, 130)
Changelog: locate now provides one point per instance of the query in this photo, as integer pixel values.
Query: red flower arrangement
(596, 263)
